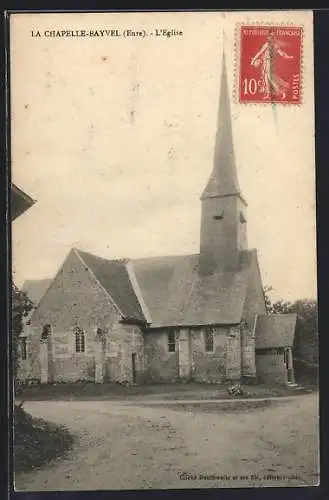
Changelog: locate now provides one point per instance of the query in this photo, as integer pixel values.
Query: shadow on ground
(234, 406)
(177, 391)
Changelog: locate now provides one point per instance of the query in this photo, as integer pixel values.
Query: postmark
(270, 64)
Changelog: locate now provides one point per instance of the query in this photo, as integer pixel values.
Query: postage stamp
(270, 64)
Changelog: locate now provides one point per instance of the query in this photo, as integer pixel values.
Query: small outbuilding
(274, 343)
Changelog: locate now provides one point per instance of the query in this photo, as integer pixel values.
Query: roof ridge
(125, 260)
(164, 256)
(122, 260)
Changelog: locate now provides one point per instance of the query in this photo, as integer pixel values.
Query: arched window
(45, 333)
(79, 339)
(209, 339)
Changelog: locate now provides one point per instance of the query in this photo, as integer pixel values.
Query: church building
(195, 317)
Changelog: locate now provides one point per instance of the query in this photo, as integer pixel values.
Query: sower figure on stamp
(270, 81)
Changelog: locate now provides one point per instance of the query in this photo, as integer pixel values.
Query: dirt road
(129, 446)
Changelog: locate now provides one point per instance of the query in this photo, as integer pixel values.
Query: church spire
(223, 180)
(223, 215)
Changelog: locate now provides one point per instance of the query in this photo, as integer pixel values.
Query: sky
(114, 138)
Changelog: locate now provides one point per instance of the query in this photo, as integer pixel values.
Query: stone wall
(191, 360)
(76, 299)
(271, 367)
(185, 359)
(210, 366)
(121, 345)
(233, 354)
(248, 358)
(161, 365)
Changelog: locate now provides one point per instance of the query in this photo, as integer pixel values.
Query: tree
(21, 306)
(279, 307)
(268, 302)
(306, 337)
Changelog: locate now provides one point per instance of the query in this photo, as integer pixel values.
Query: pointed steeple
(223, 231)
(223, 180)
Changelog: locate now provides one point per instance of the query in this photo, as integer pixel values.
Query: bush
(37, 442)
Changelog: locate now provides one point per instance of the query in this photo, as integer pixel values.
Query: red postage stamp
(270, 64)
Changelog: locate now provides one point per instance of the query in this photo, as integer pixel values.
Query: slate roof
(175, 293)
(36, 289)
(114, 277)
(223, 180)
(166, 283)
(277, 330)
(168, 291)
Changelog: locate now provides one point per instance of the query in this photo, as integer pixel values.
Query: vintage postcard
(164, 330)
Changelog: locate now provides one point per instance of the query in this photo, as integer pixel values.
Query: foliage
(268, 302)
(279, 307)
(306, 339)
(37, 442)
(21, 306)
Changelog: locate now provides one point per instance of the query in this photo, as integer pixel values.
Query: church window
(171, 341)
(79, 340)
(209, 339)
(45, 333)
(23, 348)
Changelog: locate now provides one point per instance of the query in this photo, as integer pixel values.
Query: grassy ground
(178, 391)
(37, 442)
